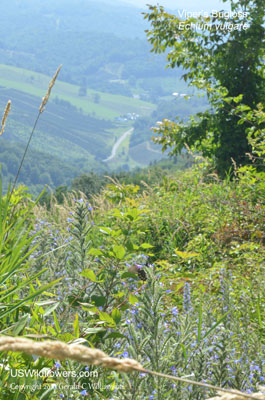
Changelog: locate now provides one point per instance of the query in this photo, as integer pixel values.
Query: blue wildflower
(174, 311)
(186, 299)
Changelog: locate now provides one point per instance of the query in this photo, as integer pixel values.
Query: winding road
(117, 145)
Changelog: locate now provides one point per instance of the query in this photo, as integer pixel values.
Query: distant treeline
(94, 51)
(92, 183)
(39, 168)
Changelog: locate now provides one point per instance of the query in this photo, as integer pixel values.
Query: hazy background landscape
(110, 85)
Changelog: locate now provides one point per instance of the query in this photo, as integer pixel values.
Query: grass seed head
(3, 123)
(46, 97)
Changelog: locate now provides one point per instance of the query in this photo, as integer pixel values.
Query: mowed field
(108, 107)
(74, 129)
(62, 130)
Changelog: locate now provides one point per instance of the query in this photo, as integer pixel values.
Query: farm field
(79, 131)
(108, 107)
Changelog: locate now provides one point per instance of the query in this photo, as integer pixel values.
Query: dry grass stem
(229, 393)
(234, 165)
(61, 351)
(85, 355)
(226, 396)
(46, 97)
(189, 149)
(41, 109)
(3, 123)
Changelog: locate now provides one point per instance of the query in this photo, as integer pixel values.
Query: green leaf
(184, 353)
(56, 323)
(105, 230)
(66, 337)
(92, 331)
(133, 299)
(51, 309)
(106, 317)
(128, 275)
(76, 326)
(36, 293)
(116, 233)
(116, 212)
(199, 324)
(215, 325)
(258, 309)
(51, 331)
(99, 301)
(184, 254)
(95, 252)
(115, 335)
(23, 283)
(116, 315)
(129, 245)
(47, 394)
(20, 325)
(119, 294)
(146, 246)
(119, 251)
(88, 273)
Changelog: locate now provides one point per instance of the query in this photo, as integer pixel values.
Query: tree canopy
(221, 53)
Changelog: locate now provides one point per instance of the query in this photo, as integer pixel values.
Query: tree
(96, 98)
(89, 184)
(223, 54)
(35, 175)
(45, 179)
(82, 91)
(83, 88)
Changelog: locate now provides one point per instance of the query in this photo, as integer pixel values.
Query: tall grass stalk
(41, 109)
(6, 112)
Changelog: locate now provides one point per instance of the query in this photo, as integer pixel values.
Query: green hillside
(78, 131)
(108, 106)
(81, 130)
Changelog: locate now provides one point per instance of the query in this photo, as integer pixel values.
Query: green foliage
(225, 62)
(252, 176)
(92, 183)
(15, 248)
(199, 314)
(88, 184)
